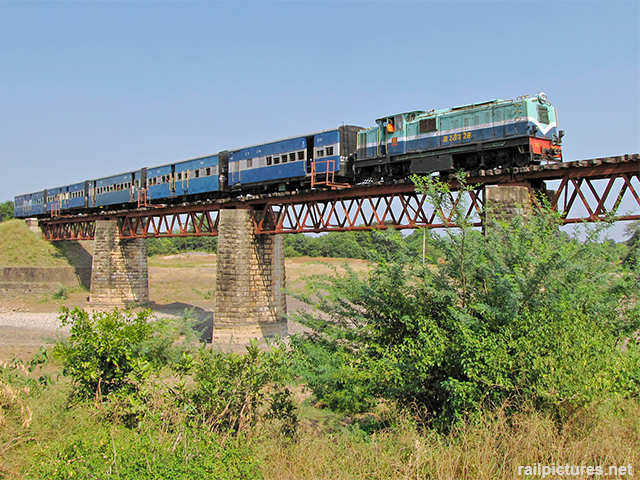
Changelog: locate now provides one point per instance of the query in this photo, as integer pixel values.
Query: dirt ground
(176, 283)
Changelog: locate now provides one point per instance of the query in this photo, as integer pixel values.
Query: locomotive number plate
(454, 137)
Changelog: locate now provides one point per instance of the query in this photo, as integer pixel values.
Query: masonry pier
(119, 270)
(504, 202)
(250, 301)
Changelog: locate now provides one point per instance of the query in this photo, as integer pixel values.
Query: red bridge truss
(588, 190)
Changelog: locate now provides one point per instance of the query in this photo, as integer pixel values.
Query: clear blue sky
(92, 89)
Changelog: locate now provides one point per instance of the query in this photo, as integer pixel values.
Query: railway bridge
(249, 298)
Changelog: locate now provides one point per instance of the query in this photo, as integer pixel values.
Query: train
(479, 136)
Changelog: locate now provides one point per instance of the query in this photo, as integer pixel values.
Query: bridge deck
(588, 190)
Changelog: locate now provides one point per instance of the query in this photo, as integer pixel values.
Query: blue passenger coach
(289, 160)
(269, 163)
(198, 175)
(29, 204)
(159, 182)
(190, 177)
(65, 198)
(117, 189)
(77, 197)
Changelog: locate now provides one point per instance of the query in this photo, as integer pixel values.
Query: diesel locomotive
(498, 133)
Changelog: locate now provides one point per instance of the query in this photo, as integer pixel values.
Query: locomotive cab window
(543, 114)
(428, 125)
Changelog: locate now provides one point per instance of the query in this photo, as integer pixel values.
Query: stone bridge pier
(250, 301)
(504, 202)
(119, 270)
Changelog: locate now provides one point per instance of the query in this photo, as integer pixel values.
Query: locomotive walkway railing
(588, 190)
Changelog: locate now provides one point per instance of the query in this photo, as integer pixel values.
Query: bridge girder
(588, 190)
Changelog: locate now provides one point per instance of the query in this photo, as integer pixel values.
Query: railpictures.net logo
(552, 471)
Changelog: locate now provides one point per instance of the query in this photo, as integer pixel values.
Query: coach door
(309, 142)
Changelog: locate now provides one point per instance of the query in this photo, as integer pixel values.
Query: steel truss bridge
(587, 190)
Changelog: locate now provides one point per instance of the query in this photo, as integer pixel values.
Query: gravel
(36, 321)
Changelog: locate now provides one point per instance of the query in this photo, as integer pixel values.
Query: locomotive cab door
(395, 136)
(391, 136)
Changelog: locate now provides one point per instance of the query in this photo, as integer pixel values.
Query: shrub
(233, 391)
(524, 315)
(6, 211)
(104, 351)
(61, 294)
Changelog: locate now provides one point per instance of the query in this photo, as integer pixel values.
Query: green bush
(6, 211)
(327, 369)
(61, 294)
(232, 391)
(524, 315)
(104, 351)
(632, 254)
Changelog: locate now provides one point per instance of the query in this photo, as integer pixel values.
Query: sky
(89, 89)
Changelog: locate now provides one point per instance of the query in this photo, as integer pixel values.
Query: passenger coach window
(329, 151)
(320, 153)
(249, 162)
(301, 155)
(292, 157)
(269, 160)
(208, 171)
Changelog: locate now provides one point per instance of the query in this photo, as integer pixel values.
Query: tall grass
(491, 447)
(39, 425)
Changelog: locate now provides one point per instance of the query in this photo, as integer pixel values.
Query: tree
(632, 258)
(6, 211)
